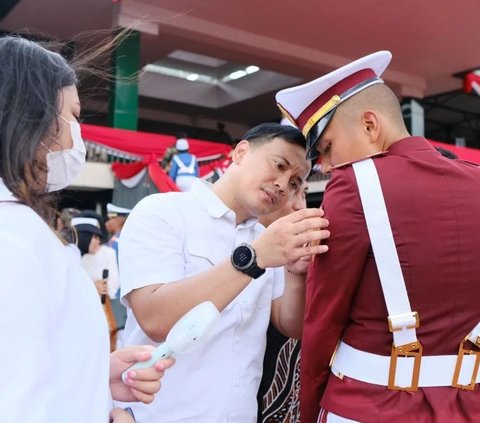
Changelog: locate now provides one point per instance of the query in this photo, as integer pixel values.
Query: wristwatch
(244, 259)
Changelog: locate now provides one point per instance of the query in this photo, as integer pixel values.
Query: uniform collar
(216, 208)
(398, 148)
(5, 194)
(409, 144)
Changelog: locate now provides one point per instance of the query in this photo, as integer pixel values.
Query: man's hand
(291, 238)
(299, 267)
(141, 384)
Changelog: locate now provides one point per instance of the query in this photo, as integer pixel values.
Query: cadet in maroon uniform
(402, 314)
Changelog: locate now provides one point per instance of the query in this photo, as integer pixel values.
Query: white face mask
(64, 165)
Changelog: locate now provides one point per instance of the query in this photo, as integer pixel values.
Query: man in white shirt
(180, 249)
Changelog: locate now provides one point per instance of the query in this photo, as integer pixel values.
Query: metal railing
(99, 153)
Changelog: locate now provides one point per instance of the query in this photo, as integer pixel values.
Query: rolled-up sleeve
(151, 245)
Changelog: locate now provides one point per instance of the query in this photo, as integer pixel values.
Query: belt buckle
(462, 351)
(393, 327)
(414, 350)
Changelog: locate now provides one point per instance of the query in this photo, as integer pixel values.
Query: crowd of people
(380, 283)
(93, 240)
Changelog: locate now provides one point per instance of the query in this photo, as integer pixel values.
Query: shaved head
(363, 125)
(378, 98)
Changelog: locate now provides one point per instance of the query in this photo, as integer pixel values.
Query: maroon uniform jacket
(434, 209)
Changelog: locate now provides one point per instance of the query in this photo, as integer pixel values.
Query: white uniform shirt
(104, 258)
(169, 237)
(54, 358)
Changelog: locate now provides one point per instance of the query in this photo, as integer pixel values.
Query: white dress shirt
(54, 358)
(169, 237)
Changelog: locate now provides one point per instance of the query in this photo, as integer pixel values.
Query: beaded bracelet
(295, 273)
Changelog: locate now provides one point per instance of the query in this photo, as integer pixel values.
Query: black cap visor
(315, 133)
(88, 228)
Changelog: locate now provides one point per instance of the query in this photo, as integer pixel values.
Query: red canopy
(146, 144)
(152, 148)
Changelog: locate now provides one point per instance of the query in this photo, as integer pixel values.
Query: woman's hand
(101, 286)
(117, 415)
(141, 384)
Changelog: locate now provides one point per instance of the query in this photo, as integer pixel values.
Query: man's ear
(240, 151)
(370, 122)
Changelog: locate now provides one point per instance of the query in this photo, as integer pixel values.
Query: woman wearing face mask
(55, 360)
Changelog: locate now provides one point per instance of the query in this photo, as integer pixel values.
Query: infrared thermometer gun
(186, 335)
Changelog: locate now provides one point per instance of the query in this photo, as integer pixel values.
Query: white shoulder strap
(191, 166)
(183, 168)
(402, 321)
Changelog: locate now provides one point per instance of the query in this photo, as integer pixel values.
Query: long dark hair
(31, 79)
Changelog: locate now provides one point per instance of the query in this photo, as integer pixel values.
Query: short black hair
(266, 132)
(446, 153)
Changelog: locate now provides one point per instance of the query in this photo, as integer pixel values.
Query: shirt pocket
(198, 258)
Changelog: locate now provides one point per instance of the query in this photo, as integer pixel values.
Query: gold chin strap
(328, 106)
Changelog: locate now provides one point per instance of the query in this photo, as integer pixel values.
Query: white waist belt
(437, 370)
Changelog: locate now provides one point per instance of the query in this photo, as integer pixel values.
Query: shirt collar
(5, 194)
(216, 208)
(203, 191)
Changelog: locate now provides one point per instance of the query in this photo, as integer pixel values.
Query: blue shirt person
(183, 166)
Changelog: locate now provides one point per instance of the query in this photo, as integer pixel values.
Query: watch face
(242, 256)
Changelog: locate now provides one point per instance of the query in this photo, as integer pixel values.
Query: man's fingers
(310, 250)
(300, 215)
(310, 224)
(313, 250)
(312, 237)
